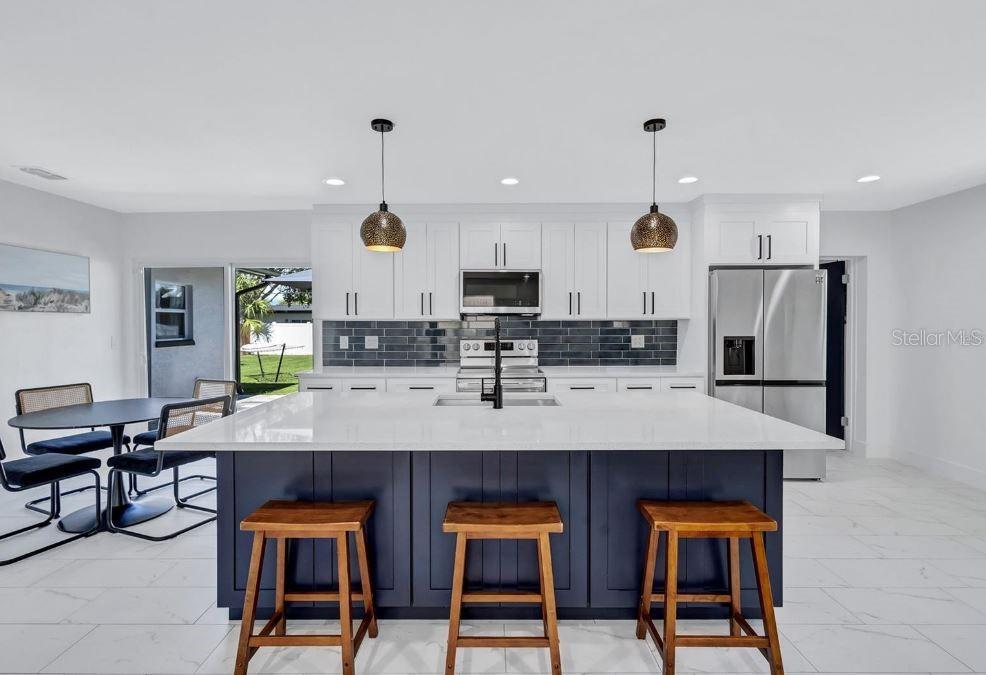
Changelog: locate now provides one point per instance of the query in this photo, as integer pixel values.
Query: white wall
(938, 249)
(41, 349)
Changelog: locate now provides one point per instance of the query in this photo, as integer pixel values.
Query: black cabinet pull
(504, 254)
(645, 301)
(430, 309)
(639, 387)
(362, 389)
(683, 386)
(320, 388)
(347, 303)
(652, 302)
(356, 303)
(579, 296)
(570, 303)
(579, 388)
(420, 388)
(770, 247)
(422, 303)
(496, 255)
(759, 247)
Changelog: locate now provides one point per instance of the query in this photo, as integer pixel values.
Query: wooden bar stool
(283, 520)
(532, 520)
(726, 520)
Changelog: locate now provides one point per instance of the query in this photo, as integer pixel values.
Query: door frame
(855, 347)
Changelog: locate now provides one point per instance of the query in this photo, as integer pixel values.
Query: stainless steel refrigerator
(767, 349)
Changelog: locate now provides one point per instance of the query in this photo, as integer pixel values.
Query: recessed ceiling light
(509, 181)
(871, 178)
(335, 181)
(685, 180)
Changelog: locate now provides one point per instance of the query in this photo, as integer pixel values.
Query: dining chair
(48, 469)
(148, 462)
(36, 399)
(203, 388)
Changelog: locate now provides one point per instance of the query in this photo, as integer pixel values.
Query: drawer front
(684, 384)
(325, 385)
(416, 385)
(639, 384)
(364, 384)
(584, 384)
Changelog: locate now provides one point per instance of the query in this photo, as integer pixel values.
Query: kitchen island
(594, 454)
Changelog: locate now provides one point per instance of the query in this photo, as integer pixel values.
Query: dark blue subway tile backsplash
(561, 343)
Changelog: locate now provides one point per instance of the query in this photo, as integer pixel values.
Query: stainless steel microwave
(501, 292)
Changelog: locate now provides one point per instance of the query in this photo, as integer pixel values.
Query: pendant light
(654, 232)
(382, 230)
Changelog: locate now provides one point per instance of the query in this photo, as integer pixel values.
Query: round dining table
(115, 415)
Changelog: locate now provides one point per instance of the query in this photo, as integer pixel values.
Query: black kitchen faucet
(496, 396)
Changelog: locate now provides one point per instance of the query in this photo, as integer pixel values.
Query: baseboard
(946, 469)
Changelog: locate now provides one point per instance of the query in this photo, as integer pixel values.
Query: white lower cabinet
(603, 384)
(417, 385)
(683, 384)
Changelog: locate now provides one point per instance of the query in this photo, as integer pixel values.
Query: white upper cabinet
(485, 246)
(771, 234)
(426, 273)
(647, 285)
(574, 270)
(350, 282)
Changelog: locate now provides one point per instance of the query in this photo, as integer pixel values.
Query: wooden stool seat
(510, 520)
(724, 520)
(283, 520)
(532, 520)
(698, 518)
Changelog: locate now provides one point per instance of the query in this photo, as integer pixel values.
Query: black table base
(124, 515)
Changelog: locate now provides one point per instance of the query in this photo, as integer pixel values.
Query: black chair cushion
(145, 461)
(47, 468)
(75, 444)
(145, 438)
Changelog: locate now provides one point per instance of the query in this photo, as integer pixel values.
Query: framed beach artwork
(32, 280)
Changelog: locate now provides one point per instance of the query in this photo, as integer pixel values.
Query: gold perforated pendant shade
(383, 231)
(654, 232)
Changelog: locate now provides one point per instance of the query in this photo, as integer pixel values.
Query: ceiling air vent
(41, 173)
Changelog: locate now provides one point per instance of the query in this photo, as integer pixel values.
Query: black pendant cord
(654, 170)
(383, 187)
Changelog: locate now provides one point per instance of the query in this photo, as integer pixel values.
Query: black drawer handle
(416, 388)
(577, 388)
(683, 386)
(362, 389)
(320, 388)
(647, 387)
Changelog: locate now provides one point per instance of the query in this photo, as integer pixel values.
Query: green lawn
(255, 383)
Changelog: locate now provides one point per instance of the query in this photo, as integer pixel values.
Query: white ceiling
(245, 104)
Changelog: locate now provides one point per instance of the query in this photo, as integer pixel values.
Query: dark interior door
(835, 349)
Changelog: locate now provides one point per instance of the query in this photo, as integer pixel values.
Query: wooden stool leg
(647, 585)
(243, 652)
(458, 580)
(735, 605)
(548, 608)
(365, 584)
(282, 550)
(670, 602)
(767, 604)
(345, 605)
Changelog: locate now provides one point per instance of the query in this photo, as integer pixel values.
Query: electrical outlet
(343, 342)
(636, 342)
(372, 342)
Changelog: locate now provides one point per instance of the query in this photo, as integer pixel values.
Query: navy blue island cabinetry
(597, 560)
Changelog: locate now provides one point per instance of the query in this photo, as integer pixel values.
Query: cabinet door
(332, 247)
(627, 276)
(521, 246)
(589, 270)
(738, 241)
(411, 274)
(668, 283)
(786, 241)
(441, 299)
(374, 284)
(558, 277)
(479, 246)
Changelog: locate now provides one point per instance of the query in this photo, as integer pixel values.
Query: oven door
(501, 292)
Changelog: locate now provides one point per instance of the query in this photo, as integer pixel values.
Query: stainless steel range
(520, 365)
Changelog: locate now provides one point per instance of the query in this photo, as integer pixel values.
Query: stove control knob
(475, 345)
(467, 346)
(530, 345)
(522, 346)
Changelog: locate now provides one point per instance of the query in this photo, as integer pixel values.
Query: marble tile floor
(885, 572)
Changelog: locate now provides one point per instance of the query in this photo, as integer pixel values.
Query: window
(172, 315)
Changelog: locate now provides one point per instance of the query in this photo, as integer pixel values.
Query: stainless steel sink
(509, 401)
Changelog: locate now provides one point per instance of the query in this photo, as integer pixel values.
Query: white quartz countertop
(365, 421)
(558, 372)
(381, 371)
